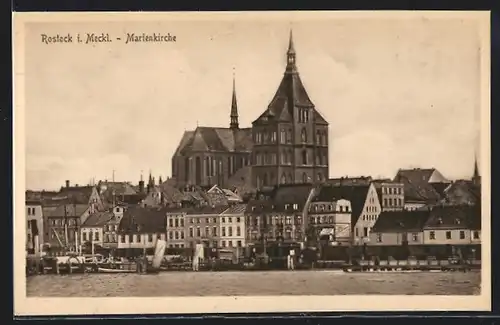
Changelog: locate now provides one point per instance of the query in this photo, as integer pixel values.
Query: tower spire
(290, 54)
(476, 168)
(234, 107)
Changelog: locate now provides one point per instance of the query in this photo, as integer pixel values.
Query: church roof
(291, 93)
(216, 139)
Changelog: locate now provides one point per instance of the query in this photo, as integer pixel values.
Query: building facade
(62, 223)
(291, 137)
(203, 225)
(391, 195)
(331, 219)
(34, 223)
(232, 227)
(176, 230)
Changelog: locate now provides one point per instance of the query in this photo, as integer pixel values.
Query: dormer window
(457, 221)
(440, 221)
(295, 206)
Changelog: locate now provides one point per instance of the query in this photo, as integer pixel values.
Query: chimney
(67, 183)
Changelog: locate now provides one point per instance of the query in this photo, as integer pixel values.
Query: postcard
(210, 162)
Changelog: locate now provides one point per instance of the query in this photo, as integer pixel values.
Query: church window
(318, 159)
(273, 137)
(290, 178)
(289, 157)
(283, 157)
(273, 159)
(207, 166)
(305, 178)
(283, 136)
(283, 178)
(303, 135)
(229, 166)
(304, 157)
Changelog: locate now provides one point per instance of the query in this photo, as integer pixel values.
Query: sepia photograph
(251, 162)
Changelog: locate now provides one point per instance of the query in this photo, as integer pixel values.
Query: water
(253, 283)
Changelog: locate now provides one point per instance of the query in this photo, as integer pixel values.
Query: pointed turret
(476, 177)
(290, 54)
(234, 108)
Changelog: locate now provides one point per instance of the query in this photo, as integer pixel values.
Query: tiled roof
(292, 193)
(401, 221)
(171, 193)
(269, 206)
(72, 210)
(453, 217)
(206, 210)
(76, 194)
(350, 181)
(356, 194)
(290, 91)
(143, 220)
(235, 209)
(417, 186)
(98, 219)
(462, 192)
(241, 181)
(208, 139)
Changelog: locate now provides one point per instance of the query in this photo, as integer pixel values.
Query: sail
(161, 245)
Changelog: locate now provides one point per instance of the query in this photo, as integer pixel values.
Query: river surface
(253, 283)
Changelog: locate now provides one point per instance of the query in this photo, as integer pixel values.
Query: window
(170, 235)
(84, 236)
(295, 206)
(239, 243)
(150, 238)
(238, 231)
(223, 231)
(432, 235)
(198, 232)
(365, 232)
(176, 235)
(379, 238)
(214, 231)
(122, 239)
(197, 220)
(176, 222)
(304, 157)
(303, 135)
(448, 235)
(182, 222)
(207, 220)
(230, 220)
(357, 232)
(182, 234)
(230, 229)
(170, 223)
(283, 136)
(207, 231)
(238, 219)
(223, 243)
(214, 220)
(462, 234)
(130, 238)
(223, 219)
(190, 232)
(97, 236)
(191, 220)
(476, 234)
(230, 242)
(415, 236)
(138, 238)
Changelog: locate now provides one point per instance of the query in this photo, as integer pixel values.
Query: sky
(398, 93)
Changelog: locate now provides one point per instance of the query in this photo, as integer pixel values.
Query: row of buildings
(417, 207)
(235, 187)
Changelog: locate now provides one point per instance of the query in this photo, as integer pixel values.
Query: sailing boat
(161, 246)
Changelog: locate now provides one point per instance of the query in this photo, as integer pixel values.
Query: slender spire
(234, 107)
(290, 54)
(476, 168)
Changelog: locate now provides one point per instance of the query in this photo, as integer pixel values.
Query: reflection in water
(253, 283)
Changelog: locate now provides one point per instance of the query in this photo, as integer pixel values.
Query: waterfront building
(110, 229)
(451, 225)
(278, 214)
(61, 222)
(290, 137)
(202, 225)
(141, 227)
(92, 230)
(399, 228)
(34, 223)
(330, 217)
(232, 227)
(176, 229)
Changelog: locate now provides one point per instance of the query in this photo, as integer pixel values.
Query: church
(287, 143)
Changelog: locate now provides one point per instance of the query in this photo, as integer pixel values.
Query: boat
(108, 270)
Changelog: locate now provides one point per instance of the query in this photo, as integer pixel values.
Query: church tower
(234, 108)
(291, 136)
(476, 178)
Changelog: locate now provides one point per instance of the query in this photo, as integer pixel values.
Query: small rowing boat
(106, 270)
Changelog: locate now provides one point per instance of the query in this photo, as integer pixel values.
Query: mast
(65, 225)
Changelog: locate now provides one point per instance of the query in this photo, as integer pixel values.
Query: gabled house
(277, 214)
(391, 195)
(365, 208)
(232, 226)
(462, 192)
(223, 196)
(62, 222)
(421, 186)
(394, 228)
(34, 223)
(92, 230)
